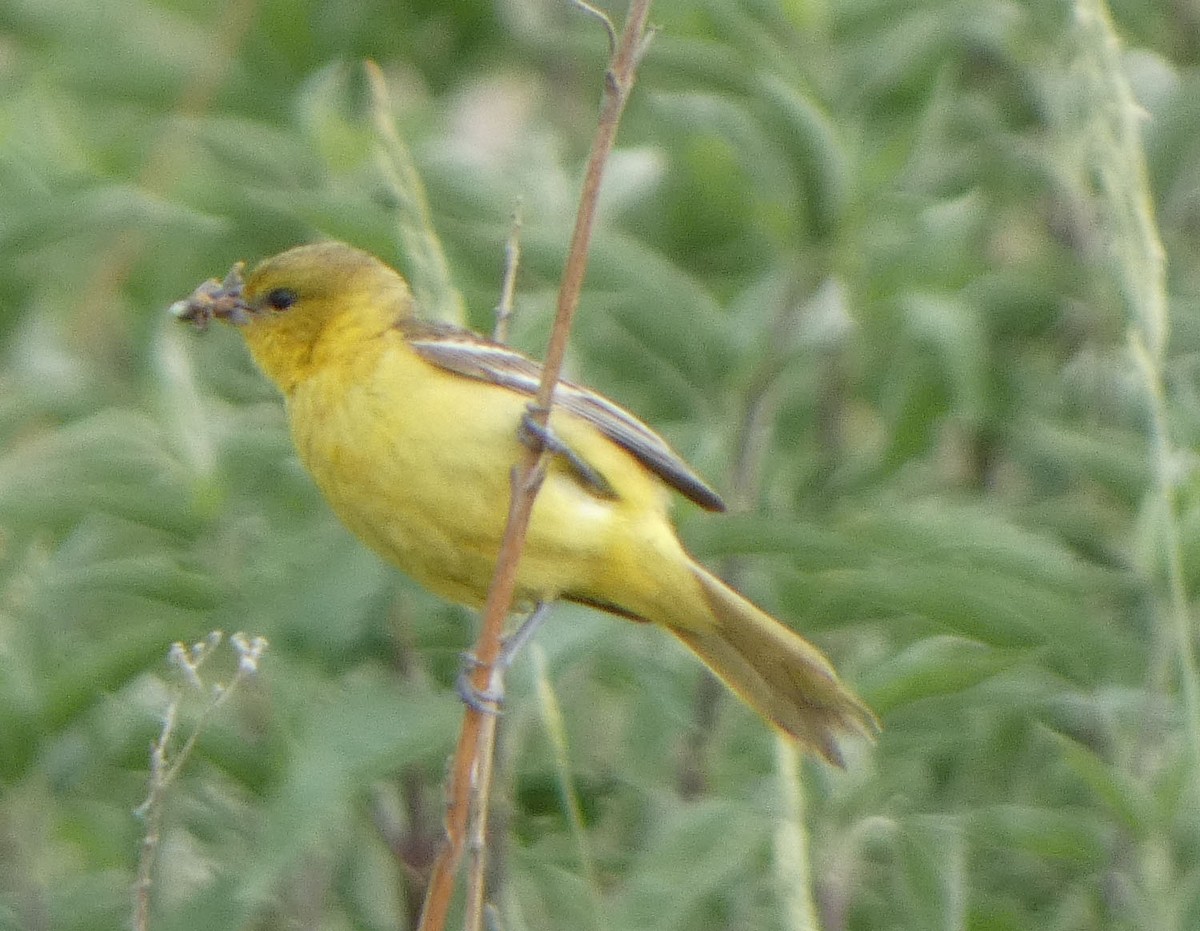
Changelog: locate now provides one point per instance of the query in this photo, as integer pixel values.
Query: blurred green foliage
(855, 261)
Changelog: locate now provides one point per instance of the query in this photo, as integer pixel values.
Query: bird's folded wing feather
(465, 353)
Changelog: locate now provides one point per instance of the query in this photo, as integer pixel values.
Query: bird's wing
(466, 353)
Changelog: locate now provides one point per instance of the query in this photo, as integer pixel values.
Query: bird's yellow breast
(417, 462)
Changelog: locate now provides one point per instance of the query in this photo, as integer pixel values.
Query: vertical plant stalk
(1128, 208)
(165, 767)
(151, 812)
(760, 407)
(792, 865)
(433, 287)
(552, 721)
(480, 797)
(528, 474)
(481, 789)
(508, 289)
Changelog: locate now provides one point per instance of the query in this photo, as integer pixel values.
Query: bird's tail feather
(776, 671)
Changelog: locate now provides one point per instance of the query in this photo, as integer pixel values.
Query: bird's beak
(220, 300)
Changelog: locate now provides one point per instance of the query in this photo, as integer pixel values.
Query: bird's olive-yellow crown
(312, 298)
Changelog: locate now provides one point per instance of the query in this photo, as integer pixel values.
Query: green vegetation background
(876, 267)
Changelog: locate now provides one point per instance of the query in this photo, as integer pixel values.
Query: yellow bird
(410, 429)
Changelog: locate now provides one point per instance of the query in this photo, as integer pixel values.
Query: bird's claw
(532, 434)
(487, 701)
(484, 701)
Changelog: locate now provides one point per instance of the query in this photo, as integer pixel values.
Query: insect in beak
(220, 300)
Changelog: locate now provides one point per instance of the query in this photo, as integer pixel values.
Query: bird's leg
(489, 701)
(531, 432)
(515, 642)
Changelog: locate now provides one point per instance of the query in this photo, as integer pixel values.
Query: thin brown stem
(529, 473)
(480, 797)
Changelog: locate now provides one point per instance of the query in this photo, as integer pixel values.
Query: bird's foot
(485, 701)
(531, 433)
(491, 701)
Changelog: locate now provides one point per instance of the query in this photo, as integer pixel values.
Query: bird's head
(321, 293)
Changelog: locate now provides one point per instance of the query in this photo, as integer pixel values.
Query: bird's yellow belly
(426, 484)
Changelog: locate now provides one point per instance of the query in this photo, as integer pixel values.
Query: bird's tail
(775, 671)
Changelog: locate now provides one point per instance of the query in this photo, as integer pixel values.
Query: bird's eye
(281, 298)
